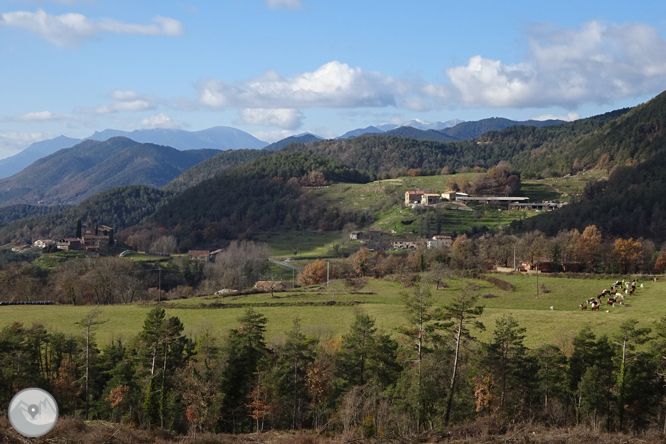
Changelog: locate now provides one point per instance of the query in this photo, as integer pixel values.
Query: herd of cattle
(616, 295)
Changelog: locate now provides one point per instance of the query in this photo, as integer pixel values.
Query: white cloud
(12, 142)
(126, 101)
(287, 118)
(334, 85)
(160, 120)
(68, 30)
(39, 116)
(286, 4)
(568, 117)
(596, 63)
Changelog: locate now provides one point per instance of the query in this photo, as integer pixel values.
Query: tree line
(428, 373)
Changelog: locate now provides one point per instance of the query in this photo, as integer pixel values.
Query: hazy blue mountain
(472, 130)
(421, 125)
(437, 126)
(408, 131)
(14, 164)
(72, 174)
(360, 131)
(305, 138)
(218, 137)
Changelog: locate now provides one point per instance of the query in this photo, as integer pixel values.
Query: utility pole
(537, 264)
(328, 272)
(514, 257)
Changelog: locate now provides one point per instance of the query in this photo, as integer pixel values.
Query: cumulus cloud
(568, 117)
(68, 30)
(126, 101)
(12, 142)
(596, 63)
(335, 85)
(284, 4)
(287, 118)
(160, 120)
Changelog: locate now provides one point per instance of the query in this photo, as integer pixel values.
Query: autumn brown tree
(314, 273)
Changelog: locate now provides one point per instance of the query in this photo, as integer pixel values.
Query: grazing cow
(552, 308)
(583, 307)
(595, 307)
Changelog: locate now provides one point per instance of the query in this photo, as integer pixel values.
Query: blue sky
(275, 68)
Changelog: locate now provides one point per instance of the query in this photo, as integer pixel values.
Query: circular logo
(33, 412)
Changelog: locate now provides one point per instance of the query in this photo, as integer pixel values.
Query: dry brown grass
(485, 430)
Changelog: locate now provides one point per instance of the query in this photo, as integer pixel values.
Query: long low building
(537, 206)
(491, 199)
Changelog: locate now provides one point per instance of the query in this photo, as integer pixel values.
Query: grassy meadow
(379, 298)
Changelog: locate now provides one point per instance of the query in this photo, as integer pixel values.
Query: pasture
(378, 298)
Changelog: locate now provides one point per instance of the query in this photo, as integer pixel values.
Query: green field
(379, 298)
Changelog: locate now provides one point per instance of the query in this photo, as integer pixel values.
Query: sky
(276, 68)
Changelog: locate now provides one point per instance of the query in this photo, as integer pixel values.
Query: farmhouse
(413, 197)
(43, 243)
(355, 235)
(430, 199)
(404, 244)
(199, 255)
(440, 240)
(69, 244)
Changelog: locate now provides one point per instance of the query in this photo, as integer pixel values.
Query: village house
(440, 240)
(95, 243)
(43, 243)
(199, 255)
(404, 244)
(355, 235)
(69, 244)
(430, 199)
(413, 197)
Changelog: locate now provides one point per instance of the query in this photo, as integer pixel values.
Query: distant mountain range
(444, 131)
(218, 138)
(304, 138)
(72, 174)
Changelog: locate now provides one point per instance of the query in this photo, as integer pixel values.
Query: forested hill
(119, 208)
(529, 149)
(213, 166)
(472, 130)
(632, 203)
(72, 174)
(264, 194)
